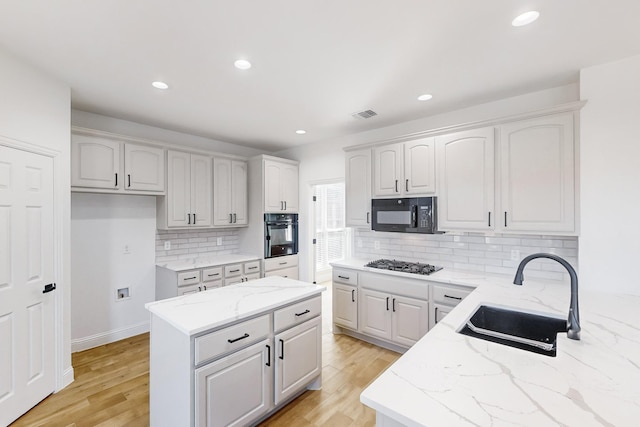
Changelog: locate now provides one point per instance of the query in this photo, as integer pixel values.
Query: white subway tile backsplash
(190, 243)
(471, 251)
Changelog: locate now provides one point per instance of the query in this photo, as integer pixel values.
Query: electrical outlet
(376, 244)
(167, 245)
(219, 241)
(359, 243)
(515, 255)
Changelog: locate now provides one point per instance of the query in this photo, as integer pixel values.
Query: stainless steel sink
(531, 332)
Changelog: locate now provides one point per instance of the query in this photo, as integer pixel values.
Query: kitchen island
(450, 379)
(233, 354)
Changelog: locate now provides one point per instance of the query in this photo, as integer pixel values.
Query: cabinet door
(178, 198)
(191, 289)
(201, 191)
(410, 320)
(95, 163)
(289, 272)
(290, 187)
(466, 182)
(273, 201)
(239, 192)
(537, 175)
(375, 313)
(439, 312)
(299, 358)
(235, 390)
(345, 306)
(387, 170)
(358, 188)
(222, 178)
(420, 167)
(143, 168)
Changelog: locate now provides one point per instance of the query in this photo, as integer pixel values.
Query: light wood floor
(111, 387)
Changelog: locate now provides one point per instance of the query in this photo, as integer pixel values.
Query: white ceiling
(314, 62)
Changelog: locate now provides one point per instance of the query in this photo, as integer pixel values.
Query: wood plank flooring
(111, 386)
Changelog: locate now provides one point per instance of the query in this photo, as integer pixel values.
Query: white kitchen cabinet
(299, 358)
(400, 319)
(230, 192)
(537, 165)
(113, 166)
(285, 266)
(345, 298)
(236, 389)
(466, 196)
(443, 299)
(358, 188)
(280, 186)
(239, 273)
(188, 202)
(405, 168)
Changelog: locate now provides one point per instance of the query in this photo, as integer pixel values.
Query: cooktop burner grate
(403, 266)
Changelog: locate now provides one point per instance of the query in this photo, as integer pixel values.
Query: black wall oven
(280, 235)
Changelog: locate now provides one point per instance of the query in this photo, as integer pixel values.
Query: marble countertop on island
(207, 260)
(201, 311)
(449, 379)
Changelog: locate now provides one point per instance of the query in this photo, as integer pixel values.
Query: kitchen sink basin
(531, 332)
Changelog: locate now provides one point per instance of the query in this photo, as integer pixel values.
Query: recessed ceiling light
(242, 64)
(160, 85)
(301, 132)
(425, 97)
(525, 19)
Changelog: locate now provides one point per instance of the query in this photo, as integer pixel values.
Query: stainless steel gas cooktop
(403, 266)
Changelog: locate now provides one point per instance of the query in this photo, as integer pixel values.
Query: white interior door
(26, 267)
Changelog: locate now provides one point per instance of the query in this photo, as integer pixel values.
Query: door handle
(387, 303)
(353, 295)
(194, 219)
(230, 218)
(116, 180)
(235, 219)
(436, 316)
(393, 305)
(396, 185)
(268, 355)
(489, 219)
(129, 180)
(188, 218)
(406, 185)
(281, 205)
(368, 218)
(505, 219)
(285, 205)
(281, 357)
(48, 288)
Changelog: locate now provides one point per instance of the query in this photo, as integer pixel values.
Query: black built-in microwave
(406, 215)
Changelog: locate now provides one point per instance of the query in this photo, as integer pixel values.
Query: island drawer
(211, 274)
(188, 278)
(449, 295)
(231, 338)
(348, 277)
(297, 313)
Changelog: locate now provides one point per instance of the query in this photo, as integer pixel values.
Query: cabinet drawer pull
(199, 289)
(303, 313)
(189, 278)
(452, 297)
(234, 271)
(214, 274)
(238, 339)
(281, 357)
(353, 295)
(283, 263)
(268, 355)
(343, 277)
(129, 178)
(387, 303)
(252, 268)
(205, 288)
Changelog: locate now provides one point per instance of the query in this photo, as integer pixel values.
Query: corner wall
(610, 176)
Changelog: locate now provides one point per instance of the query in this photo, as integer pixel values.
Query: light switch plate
(167, 245)
(219, 241)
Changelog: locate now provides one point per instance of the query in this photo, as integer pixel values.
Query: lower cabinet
(235, 389)
(345, 305)
(444, 298)
(299, 358)
(400, 319)
(285, 266)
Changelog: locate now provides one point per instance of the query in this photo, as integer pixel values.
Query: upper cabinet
(230, 192)
(522, 182)
(466, 195)
(188, 202)
(280, 186)
(537, 175)
(102, 164)
(404, 169)
(358, 188)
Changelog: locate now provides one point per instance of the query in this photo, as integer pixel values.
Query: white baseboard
(80, 344)
(67, 377)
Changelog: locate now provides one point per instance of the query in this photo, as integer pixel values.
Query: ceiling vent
(366, 114)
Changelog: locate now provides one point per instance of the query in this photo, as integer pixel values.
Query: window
(331, 233)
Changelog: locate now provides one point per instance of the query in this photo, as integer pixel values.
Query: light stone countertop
(206, 260)
(451, 379)
(201, 311)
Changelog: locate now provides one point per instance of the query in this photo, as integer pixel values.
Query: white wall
(102, 225)
(325, 160)
(127, 128)
(610, 176)
(35, 108)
